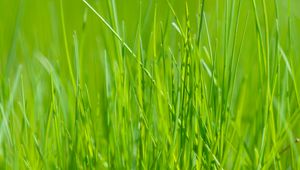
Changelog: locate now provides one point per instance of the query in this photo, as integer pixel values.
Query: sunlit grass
(149, 84)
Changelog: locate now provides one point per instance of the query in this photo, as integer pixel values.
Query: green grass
(142, 84)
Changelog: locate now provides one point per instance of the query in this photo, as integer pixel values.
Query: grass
(149, 84)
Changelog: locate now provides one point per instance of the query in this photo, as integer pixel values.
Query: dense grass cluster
(140, 84)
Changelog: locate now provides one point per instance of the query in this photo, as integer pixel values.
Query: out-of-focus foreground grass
(152, 84)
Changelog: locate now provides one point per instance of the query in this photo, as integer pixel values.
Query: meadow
(149, 84)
